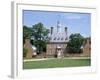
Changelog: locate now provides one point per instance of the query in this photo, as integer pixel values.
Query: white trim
(14, 60)
(17, 57)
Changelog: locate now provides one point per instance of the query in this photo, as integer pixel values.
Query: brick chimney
(51, 30)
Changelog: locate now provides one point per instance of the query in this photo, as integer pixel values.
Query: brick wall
(51, 49)
(28, 46)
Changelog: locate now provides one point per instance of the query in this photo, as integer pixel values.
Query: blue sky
(76, 22)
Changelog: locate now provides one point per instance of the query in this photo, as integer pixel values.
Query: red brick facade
(51, 49)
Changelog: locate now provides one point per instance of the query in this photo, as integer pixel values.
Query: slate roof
(59, 34)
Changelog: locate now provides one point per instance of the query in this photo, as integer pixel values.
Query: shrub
(25, 52)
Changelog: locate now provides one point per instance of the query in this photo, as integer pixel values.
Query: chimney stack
(51, 30)
(66, 30)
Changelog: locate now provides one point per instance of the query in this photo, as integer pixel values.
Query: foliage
(25, 52)
(27, 33)
(75, 43)
(40, 37)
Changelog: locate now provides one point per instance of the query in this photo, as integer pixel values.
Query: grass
(53, 63)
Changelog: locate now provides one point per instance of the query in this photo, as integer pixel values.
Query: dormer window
(66, 38)
(50, 38)
(62, 38)
(55, 38)
(58, 38)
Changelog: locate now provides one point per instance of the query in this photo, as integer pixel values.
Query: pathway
(26, 60)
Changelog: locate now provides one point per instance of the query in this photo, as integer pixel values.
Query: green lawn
(53, 63)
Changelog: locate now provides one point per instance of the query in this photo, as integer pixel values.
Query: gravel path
(26, 60)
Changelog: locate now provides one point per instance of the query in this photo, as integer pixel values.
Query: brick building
(58, 39)
(87, 47)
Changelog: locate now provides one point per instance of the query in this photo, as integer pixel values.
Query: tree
(27, 33)
(40, 39)
(75, 43)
